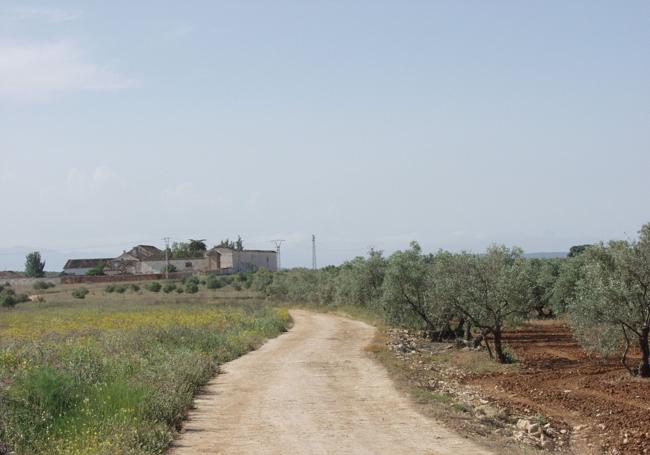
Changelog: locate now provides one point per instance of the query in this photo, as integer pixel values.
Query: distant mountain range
(546, 255)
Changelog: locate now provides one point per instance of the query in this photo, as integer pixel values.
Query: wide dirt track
(313, 390)
(607, 408)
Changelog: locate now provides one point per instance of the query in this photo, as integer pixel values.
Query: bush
(179, 290)
(109, 288)
(7, 300)
(154, 286)
(213, 282)
(80, 293)
(134, 287)
(191, 280)
(169, 287)
(120, 289)
(236, 287)
(191, 288)
(41, 285)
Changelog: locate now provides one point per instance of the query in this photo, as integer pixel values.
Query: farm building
(235, 261)
(147, 259)
(82, 266)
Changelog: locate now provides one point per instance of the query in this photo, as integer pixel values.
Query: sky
(367, 123)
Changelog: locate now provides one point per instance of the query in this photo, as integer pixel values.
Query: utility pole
(278, 245)
(313, 251)
(166, 239)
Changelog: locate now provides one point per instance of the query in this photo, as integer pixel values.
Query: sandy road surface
(312, 390)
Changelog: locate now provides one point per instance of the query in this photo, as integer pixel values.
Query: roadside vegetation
(116, 372)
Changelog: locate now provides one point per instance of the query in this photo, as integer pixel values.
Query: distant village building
(147, 259)
(82, 266)
(235, 261)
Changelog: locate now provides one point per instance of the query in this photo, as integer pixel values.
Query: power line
(278, 245)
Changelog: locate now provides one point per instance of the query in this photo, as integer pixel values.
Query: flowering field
(107, 377)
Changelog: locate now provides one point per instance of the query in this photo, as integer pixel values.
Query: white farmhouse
(144, 259)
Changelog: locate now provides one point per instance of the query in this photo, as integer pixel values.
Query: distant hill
(546, 255)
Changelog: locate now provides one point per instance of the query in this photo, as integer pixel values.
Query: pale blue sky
(369, 123)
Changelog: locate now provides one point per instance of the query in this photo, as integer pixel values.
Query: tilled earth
(607, 409)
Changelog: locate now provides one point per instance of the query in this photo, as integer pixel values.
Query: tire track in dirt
(313, 390)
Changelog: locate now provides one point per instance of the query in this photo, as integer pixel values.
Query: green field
(116, 373)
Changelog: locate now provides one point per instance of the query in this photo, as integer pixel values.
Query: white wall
(77, 271)
(248, 260)
(197, 265)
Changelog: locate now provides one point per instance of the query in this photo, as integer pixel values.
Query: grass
(116, 373)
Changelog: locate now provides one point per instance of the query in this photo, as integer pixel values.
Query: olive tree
(542, 275)
(411, 296)
(359, 281)
(565, 287)
(612, 303)
(490, 290)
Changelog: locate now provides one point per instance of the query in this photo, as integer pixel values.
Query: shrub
(7, 300)
(236, 287)
(41, 285)
(109, 288)
(213, 282)
(191, 288)
(154, 286)
(191, 280)
(120, 289)
(179, 290)
(169, 287)
(80, 293)
(134, 287)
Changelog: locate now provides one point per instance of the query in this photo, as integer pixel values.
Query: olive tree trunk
(644, 367)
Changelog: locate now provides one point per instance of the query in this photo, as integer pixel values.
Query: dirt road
(312, 390)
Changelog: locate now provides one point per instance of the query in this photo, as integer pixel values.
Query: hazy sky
(368, 123)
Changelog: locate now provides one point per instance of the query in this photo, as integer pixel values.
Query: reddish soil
(608, 409)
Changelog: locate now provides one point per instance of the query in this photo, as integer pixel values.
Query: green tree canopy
(34, 266)
(489, 289)
(187, 250)
(232, 244)
(612, 302)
